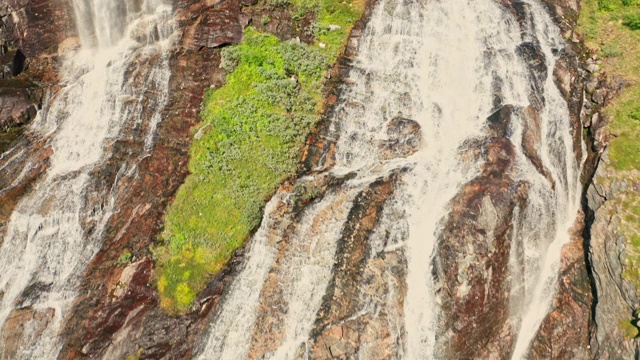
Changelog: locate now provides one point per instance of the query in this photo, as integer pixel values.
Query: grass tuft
(602, 23)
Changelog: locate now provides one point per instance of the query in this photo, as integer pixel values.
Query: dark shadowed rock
(212, 26)
(534, 58)
(12, 62)
(19, 103)
(405, 138)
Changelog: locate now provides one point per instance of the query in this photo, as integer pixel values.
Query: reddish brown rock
(564, 333)
(359, 274)
(405, 138)
(531, 142)
(472, 256)
(12, 334)
(206, 25)
(115, 321)
(19, 103)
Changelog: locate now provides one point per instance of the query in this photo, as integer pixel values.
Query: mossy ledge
(251, 139)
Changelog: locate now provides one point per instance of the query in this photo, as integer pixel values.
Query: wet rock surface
(19, 104)
(564, 333)
(12, 334)
(471, 265)
(118, 312)
(360, 273)
(404, 138)
(30, 33)
(133, 316)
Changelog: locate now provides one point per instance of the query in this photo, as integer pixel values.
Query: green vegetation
(135, 356)
(610, 28)
(256, 125)
(607, 26)
(632, 21)
(124, 258)
(611, 49)
(629, 330)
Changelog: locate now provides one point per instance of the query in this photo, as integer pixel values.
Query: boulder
(19, 103)
(405, 138)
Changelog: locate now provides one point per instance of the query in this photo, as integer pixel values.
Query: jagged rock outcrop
(473, 274)
(19, 104)
(404, 139)
(615, 333)
(31, 33)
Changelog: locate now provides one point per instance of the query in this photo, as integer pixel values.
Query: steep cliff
(611, 201)
(361, 310)
(119, 311)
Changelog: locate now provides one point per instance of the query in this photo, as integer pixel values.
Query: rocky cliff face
(32, 34)
(565, 331)
(608, 200)
(612, 324)
(33, 37)
(118, 313)
(614, 333)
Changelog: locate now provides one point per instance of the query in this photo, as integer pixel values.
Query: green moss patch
(250, 140)
(609, 28)
(629, 330)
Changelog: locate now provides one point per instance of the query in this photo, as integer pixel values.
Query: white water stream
(47, 247)
(436, 62)
(545, 226)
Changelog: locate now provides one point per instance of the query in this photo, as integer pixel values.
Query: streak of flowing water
(448, 65)
(464, 55)
(47, 245)
(547, 220)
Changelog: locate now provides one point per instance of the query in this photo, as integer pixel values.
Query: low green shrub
(124, 258)
(632, 21)
(257, 124)
(259, 121)
(607, 5)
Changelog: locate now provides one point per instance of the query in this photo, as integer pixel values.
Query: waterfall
(547, 220)
(448, 66)
(58, 226)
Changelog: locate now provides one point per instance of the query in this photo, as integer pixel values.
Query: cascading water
(57, 228)
(448, 66)
(546, 222)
